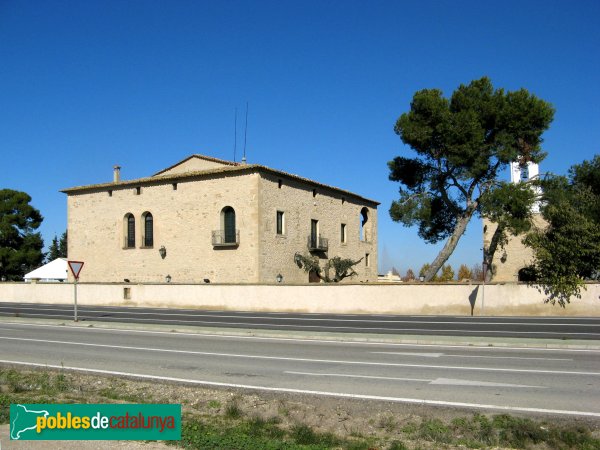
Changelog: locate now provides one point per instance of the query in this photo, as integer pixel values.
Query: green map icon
(23, 420)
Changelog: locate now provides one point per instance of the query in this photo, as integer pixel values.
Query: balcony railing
(318, 244)
(222, 238)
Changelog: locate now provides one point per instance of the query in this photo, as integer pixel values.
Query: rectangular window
(314, 233)
(174, 186)
(130, 232)
(138, 190)
(367, 260)
(148, 230)
(343, 233)
(280, 222)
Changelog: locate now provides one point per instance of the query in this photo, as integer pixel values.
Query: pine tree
(462, 145)
(20, 246)
(62, 246)
(54, 250)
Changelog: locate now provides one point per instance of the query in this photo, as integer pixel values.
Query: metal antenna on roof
(245, 133)
(235, 135)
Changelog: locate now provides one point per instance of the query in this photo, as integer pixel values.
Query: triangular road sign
(75, 267)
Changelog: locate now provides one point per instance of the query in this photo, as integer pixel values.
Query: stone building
(509, 262)
(209, 220)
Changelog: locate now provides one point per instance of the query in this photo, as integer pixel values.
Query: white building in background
(523, 174)
(56, 270)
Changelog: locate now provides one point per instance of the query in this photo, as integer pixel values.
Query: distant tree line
(446, 274)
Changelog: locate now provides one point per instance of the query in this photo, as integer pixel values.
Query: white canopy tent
(53, 271)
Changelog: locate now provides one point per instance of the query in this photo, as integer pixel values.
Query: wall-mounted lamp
(279, 278)
(168, 278)
(162, 251)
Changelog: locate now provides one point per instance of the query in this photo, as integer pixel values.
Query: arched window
(364, 231)
(129, 231)
(527, 274)
(148, 240)
(228, 225)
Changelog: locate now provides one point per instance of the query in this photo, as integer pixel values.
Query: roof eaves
(239, 168)
(316, 183)
(155, 179)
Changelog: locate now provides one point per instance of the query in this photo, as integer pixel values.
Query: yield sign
(75, 267)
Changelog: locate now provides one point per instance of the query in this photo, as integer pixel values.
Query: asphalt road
(535, 381)
(521, 327)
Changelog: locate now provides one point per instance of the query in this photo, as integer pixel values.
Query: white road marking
(321, 327)
(310, 392)
(424, 316)
(318, 341)
(309, 360)
(438, 381)
(342, 375)
(422, 355)
(266, 316)
(455, 382)
(510, 357)
(438, 355)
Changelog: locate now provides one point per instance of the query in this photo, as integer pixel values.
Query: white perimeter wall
(500, 299)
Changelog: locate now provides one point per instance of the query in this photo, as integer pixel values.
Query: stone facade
(508, 261)
(187, 203)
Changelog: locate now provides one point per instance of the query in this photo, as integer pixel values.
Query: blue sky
(85, 85)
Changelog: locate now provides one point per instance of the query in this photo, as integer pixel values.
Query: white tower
(523, 174)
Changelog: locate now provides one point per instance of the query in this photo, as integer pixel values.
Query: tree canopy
(20, 246)
(462, 144)
(464, 273)
(567, 251)
(447, 273)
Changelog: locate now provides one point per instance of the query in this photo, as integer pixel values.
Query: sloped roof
(54, 270)
(228, 168)
(197, 156)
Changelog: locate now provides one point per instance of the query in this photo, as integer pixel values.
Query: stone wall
(184, 215)
(300, 204)
(406, 298)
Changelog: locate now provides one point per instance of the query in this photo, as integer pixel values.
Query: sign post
(485, 267)
(75, 267)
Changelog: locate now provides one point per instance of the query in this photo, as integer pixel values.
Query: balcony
(222, 238)
(318, 244)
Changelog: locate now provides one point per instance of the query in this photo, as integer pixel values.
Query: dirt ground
(340, 416)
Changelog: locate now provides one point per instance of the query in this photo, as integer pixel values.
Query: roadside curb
(421, 340)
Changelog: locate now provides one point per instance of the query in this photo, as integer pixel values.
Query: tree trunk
(451, 243)
(488, 253)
